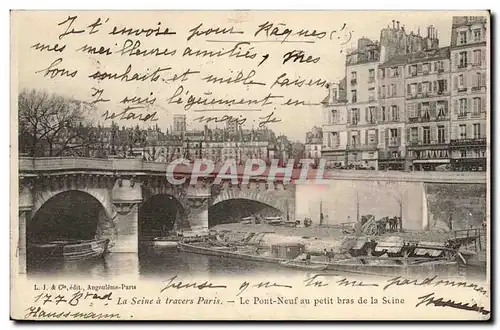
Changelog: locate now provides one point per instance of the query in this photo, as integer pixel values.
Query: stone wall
(455, 206)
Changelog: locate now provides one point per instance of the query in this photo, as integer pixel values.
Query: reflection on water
(151, 262)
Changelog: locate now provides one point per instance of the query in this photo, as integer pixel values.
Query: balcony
(462, 66)
(354, 81)
(423, 144)
(371, 80)
(361, 147)
(476, 88)
(462, 89)
(468, 142)
(462, 115)
(475, 65)
(440, 70)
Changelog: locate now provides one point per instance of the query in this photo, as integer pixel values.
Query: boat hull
(69, 251)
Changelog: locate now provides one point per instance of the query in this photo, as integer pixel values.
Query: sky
(379, 198)
(341, 28)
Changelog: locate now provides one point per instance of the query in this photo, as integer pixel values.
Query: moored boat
(68, 250)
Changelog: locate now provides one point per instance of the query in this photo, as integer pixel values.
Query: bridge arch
(251, 195)
(68, 215)
(160, 214)
(232, 205)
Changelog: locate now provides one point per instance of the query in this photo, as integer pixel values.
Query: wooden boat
(277, 253)
(299, 264)
(71, 250)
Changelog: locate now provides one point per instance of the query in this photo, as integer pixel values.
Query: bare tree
(43, 119)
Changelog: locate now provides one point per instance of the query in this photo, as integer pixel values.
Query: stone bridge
(123, 186)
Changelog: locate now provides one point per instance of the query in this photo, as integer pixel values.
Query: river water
(164, 262)
(151, 262)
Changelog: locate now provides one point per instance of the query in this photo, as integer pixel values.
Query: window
(395, 72)
(440, 65)
(477, 35)
(478, 80)
(354, 140)
(463, 107)
(371, 115)
(354, 96)
(419, 88)
(382, 73)
(425, 111)
(412, 111)
(425, 68)
(477, 131)
(383, 91)
(463, 154)
(461, 82)
(441, 138)
(425, 87)
(414, 134)
(441, 108)
(463, 132)
(413, 89)
(413, 70)
(353, 75)
(371, 55)
(462, 60)
(393, 90)
(442, 86)
(334, 117)
(463, 37)
(477, 105)
(394, 113)
(384, 115)
(427, 135)
(477, 57)
(371, 75)
(355, 116)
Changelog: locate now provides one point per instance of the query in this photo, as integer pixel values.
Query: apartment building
(334, 127)
(314, 142)
(468, 93)
(391, 120)
(362, 106)
(428, 108)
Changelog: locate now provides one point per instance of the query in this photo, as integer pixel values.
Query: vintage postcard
(250, 165)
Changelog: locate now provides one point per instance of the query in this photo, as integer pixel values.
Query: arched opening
(233, 210)
(70, 215)
(160, 215)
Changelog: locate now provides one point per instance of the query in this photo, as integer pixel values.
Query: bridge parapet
(138, 166)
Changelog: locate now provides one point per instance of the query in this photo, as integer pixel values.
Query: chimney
(393, 24)
(397, 22)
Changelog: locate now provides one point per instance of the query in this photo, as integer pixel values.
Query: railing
(473, 141)
(394, 142)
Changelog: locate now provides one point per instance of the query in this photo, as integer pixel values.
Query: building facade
(334, 127)
(391, 93)
(428, 108)
(362, 106)
(469, 93)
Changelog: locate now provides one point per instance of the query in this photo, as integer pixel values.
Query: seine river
(152, 262)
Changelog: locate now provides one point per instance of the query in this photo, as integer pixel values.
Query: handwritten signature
(430, 299)
(174, 283)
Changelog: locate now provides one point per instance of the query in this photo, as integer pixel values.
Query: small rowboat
(69, 250)
(302, 265)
